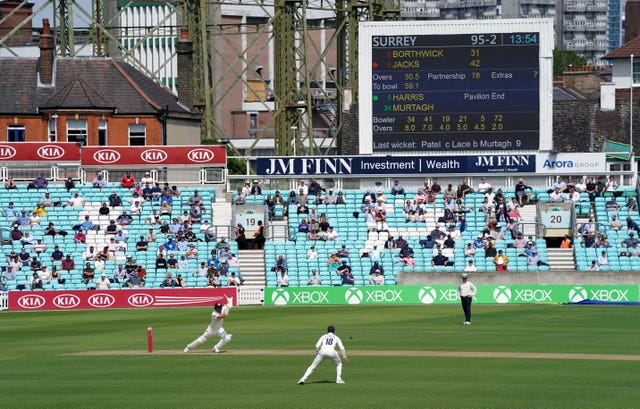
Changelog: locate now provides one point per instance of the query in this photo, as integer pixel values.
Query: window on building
(137, 135)
(636, 71)
(15, 133)
(102, 133)
(77, 131)
(253, 125)
(52, 129)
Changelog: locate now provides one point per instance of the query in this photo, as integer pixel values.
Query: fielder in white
(326, 349)
(215, 328)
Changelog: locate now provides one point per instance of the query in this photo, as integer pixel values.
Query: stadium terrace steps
(252, 267)
(561, 259)
(528, 216)
(221, 214)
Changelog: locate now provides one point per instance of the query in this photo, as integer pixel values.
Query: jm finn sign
(380, 165)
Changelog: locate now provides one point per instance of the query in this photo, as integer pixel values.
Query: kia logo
(200, 155)
(66, 301)
(101, 300)
(106, 156)
(153, 156)
(140, 300)
(31, 301)
(50, 152)
(7, 152)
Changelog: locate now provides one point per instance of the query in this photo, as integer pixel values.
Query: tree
(562, 59)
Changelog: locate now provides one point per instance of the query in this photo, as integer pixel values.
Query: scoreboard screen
(476, 91)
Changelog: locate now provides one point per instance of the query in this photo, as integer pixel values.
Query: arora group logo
(502, 294)
(50, 152)
(140, 300)
(106, 156)
(31, 301)
(101, 300)
(66, 301)
(427, 295)
(280, 297)
(353, 295)
(7, 152)
(200, 155)
(154, 155)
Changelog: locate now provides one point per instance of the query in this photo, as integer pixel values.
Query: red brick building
(92, 101)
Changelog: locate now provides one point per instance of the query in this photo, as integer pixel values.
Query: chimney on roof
(184, 49)
(45, 68)
(631, 20)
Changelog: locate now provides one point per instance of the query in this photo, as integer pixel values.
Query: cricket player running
(215, 328)
(326, 349)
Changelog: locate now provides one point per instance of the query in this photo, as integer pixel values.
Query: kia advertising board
(134, 298)
(154, 155)
(39, 152)
(447, 294)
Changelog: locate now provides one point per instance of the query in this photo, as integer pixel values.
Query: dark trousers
(466, 307)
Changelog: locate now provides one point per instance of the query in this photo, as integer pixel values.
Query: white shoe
(340, 381)
(230, 336)
(186, 349)
(467, 323)
(215, 350)
(300, 382)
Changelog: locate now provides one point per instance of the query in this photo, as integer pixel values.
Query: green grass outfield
(38, 370)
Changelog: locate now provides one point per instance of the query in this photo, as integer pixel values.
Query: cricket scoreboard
(455, 86)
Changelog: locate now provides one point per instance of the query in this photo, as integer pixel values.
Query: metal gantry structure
(292, 104)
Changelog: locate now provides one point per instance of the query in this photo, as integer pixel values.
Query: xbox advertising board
(447, 294)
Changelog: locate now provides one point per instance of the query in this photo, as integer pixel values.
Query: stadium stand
(65, 217)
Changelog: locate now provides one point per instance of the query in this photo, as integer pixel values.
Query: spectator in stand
(259, 237)
(124, 219)
(376, 278)
(147, 179)
(463, 189)
(256, 190)
(615, 223)
(104, 209)
(127, 180)
(315, 188)
(397, 188)
(589, 240)
(602, 259)
(484, 186)
(523, 192)
(40, 182)
(36, 282)
(556, 196)
(314, 279)
(147, 192)
(490, 248)
(591, 188)
(440, 260)
(611, 205)
(233, 280)
(76, 201)
(180, 281)
(632, 225)
(161, 262)
(601, 186)
(566, 242)
(103, 282)
(501, 261)
(115, 200)
(52, 231)
(10, 184)
(437, 234)
(98, 181)
(594, 266)
(572, 196)
(87, 273)
(611, 185)
(303, 227)
(470, 267)
(67, 263)
(631, 204)
(168, 281)
(341, 199)
(283, 279)
(534, 260)
(240, 197)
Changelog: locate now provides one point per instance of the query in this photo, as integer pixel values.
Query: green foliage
(562, 59)
(235, 166)
(40, 372)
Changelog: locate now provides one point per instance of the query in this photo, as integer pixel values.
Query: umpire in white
(466, 291)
